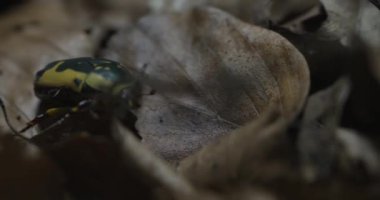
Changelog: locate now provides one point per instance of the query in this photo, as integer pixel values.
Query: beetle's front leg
(65, 112)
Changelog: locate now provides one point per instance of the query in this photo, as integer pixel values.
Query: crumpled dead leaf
(325, 148)
(220, 73)
(283, 11)
(341, 20)
(318, 143)
(347, 19)
(336, 20)
(367, 26)
(348, 36)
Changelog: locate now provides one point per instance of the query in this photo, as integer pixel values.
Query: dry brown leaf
(257, 11)
(15, 116)
(41, 34)
(319, 54)
(325, 148)
(110, 13)
(308, 20)
(220, 74)
(367, 26)
(260, 12)
(358, 155)
(344, 19)
(357, 19)
(171, 184)
(258, 153)
(339, 38)
(155, 171)
(350, 18)
(49, 14)
(369, 30)
(318, 144)
(282, 11)
(26, 173)
(341, 20)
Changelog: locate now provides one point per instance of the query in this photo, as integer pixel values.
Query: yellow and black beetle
(78, 82)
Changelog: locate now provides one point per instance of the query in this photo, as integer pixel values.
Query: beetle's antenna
(6, 117)
(27, 127)
(8, 122)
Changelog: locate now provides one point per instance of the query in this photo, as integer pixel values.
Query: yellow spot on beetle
(65, 78)
(98, 82)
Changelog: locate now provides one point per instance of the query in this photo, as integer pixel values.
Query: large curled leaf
(213, 73)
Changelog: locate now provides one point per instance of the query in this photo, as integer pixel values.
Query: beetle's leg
(56, 123)
(55, 112)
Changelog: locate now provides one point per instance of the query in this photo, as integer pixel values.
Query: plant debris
(261, 99)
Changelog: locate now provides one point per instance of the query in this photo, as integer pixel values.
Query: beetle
(77, 84)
